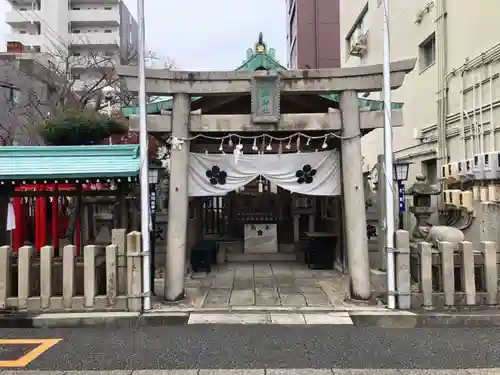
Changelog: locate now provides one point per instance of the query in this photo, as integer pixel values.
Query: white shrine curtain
(310, 173)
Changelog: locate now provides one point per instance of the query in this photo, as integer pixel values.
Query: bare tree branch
(40, 85)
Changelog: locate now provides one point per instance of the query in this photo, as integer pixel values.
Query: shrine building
(267, 158)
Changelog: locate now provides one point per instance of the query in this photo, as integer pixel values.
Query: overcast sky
(205, 35)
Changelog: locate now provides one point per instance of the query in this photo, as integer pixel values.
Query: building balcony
(17, 18)
(92, 2)
(96, 39)
(21, 2)
(27, 39)
(86, 62)
(95, 16)
(85, 83)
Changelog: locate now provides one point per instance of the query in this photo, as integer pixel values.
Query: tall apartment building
(313, 34)
(452, 98)
(85, 30)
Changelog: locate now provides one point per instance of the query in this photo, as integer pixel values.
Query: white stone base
(261, 238)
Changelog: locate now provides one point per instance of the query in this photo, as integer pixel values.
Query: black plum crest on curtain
(216, 176)
(305, 175)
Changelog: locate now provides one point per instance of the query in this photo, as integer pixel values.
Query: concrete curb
(91, 320)
(381, 319)
(405, 319)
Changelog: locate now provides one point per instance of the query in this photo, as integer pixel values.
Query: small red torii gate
(59, 221)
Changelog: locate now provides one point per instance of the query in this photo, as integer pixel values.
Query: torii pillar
(354, 197)
(178, 204)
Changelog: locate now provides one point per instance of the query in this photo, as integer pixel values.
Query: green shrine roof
(257, 58)
(68, 162)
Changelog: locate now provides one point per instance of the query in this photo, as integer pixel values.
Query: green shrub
(73, 128)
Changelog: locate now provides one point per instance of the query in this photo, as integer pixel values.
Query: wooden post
(425, 251)
(46, 254)
(69, 253)
(134, 274)
(467, 272)
(111, 274)
(5, 274)
(447, 272)
(23, 276)
(402, 242)
(89, 280)
(489, 250)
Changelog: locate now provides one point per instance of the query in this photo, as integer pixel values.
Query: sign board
(401, 196)
(266, 99)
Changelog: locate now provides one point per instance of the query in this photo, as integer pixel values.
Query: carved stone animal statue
(442, 233)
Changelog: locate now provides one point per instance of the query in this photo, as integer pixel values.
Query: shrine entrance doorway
(254, 219)
(263, 222)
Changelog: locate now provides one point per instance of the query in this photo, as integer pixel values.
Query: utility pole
(143, 145)
(388, 163)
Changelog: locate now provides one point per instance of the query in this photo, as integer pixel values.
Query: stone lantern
(422, 209)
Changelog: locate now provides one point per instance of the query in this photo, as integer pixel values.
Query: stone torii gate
(349, 120)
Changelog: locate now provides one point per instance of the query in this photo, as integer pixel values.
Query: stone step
(262, 257)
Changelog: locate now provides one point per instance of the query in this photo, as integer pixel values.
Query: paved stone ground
(254, 286)
(335, 318)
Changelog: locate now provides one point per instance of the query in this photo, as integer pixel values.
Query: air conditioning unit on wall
(492, 166)
(466, 201)
(358, 45)
(469, 165)
(462, 170)
(479, 166)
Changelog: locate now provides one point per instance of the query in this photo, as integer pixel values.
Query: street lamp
(153, 177)
(400, 173)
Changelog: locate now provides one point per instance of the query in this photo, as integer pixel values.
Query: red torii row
(59, 220)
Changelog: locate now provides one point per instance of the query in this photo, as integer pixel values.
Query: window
(76, 76)
(427, 53)
(359, 30)
(293, 23)
(293, 55)
(32, 48)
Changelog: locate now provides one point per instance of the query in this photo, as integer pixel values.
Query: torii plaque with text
(266, 99)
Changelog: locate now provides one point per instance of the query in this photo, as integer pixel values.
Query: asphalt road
(261, 346)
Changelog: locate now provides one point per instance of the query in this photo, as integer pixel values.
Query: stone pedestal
(104, 224)
(261, 238)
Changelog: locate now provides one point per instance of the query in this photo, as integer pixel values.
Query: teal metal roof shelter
(38, 164)
(256, 59)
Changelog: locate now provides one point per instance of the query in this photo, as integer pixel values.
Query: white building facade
(452, 98)
(92, 33)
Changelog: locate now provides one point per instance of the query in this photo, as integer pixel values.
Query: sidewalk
(306, 371)
(363, 318)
